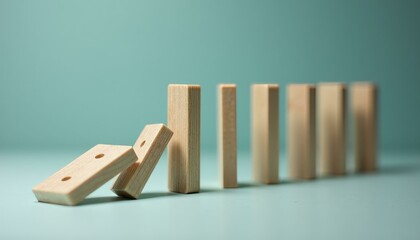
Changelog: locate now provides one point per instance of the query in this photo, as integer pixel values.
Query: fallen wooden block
(227, 135)
(74, 182)
(265, 132)
(364, 114)
(301, 131)
(331, 112)
(149, 148)
(184, 148)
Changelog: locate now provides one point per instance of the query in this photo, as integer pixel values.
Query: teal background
(77, 73)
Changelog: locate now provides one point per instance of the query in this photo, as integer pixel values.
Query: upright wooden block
(74, 182)
(301, 131)
(364, 114)
(332, 128)
(184, 148)
(227, 135)
(265, 132)
(149, 148)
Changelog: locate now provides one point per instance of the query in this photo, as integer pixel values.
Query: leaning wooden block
(184, 148)
(364, 114)
(301, 131)
(332, 128)
(265, 132)
(227, 135)
(148, 147)
(74, 182)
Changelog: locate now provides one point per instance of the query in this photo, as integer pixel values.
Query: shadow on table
(99, 200)
(391, 170)
(156, 194)
(382, 170)
(399, 169)
(210, 190)
(280, 183)
(143, 196)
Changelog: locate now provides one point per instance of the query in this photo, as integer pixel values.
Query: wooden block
(74, 182)
(332, 128)
(301, 131)
(149, 148)
(184, 148)
(265, 132)
(227, 135)
(364, 115)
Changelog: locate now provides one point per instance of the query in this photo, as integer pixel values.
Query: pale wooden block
(184, 148)
(301, 131)
(149, 148)
(364, 115)
(227, 135)
(331, 113)
(265, 132)
(74, 182)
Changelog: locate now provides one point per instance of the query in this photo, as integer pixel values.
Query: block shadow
(108, 199)
(382, 170)
(398, 169)
(100, 200)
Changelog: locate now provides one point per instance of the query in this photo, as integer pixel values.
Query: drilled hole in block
(142, 143)
(65, 178)
(99, 156)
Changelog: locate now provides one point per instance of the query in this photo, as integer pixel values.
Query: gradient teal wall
(77, 73)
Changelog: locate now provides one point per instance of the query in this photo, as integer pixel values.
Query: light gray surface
(385, 205)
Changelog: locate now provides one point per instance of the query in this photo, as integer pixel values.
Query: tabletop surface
(383, 205)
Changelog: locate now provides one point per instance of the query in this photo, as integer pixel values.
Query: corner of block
(124, 194)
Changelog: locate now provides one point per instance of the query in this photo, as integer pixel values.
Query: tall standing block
(149, 148)
(265, 132)
(74, 182)
(227, 135)
(184, 148)
(301, 131)
(332, 128)
(364, 115)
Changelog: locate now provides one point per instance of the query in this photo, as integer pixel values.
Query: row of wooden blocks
(316, 128)
(73, 183)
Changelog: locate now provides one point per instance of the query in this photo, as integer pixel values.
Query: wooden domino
(364, 115)
(227, 135)
(301, 131)
(184, 148)
(265, 132)
(331, 105)
(149, 148)
(74, 182)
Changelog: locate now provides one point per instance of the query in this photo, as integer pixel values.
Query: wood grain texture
(74, 182)
(227, 135)
(265, 132)
(184, 148)
(331, 113)
(149, 148)
(301, 131)
(364, 115)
